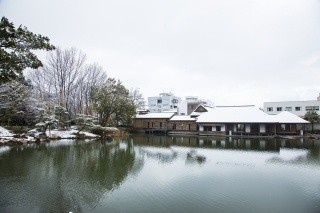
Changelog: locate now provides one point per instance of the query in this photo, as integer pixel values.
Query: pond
(162, 174)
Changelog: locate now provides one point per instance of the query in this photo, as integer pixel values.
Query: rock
(54, 136)
(16, 136)
(80, 136)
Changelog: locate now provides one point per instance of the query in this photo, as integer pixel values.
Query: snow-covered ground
(4, 132)
(68, 134)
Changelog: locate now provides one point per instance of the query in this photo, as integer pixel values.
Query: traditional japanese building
(152, 122)
(183, 123)
(246, 120)
(222, 120)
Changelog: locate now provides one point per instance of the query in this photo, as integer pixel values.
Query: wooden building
(183, 123)
(152, 122)
(221, 120)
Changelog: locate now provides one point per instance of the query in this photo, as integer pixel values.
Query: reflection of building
(299, 108)
(222, 120)
(163, 102)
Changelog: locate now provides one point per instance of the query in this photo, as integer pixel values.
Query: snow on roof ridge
(238, 106)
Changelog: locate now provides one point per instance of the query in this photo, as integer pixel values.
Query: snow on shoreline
(63, 134)
(5, 133)
(69, 134)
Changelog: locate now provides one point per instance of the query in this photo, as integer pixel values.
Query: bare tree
(67, 81)
(137, 98)
(65, 68)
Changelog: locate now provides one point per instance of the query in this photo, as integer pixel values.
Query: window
(269, 109)
(288, 109)
(312, 108)
(279, 109)
(297, 108)
(241, 127)
(159, 101)
(218, 128)
(207, 128)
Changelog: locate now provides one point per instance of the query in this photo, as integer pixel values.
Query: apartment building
(165, 102)
(299, 108)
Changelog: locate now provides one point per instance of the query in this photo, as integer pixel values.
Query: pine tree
(15, 50)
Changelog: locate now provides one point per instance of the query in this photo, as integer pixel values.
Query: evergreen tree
(312, 117)
(15, 50)
(113, 103)
(17, 106)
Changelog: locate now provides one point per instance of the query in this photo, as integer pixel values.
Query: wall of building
(151, 123)
(163, 102)
(183, 125)
(299, 108)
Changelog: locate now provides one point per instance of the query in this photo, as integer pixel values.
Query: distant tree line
(65, 84)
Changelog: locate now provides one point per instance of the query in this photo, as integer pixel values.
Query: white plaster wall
(262, 128)
(200, 128)
(248, 128)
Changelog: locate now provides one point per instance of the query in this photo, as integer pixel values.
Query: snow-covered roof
(197, 113)
(288, 117)
(156, 115)
(246, 114)
(235, 114)
(182, 118)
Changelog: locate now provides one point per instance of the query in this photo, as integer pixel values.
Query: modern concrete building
(165, 102)
(299, 108)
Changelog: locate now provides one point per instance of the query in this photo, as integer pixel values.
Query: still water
(162, 174)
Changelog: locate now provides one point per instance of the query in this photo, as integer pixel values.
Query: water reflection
(161, 174)
(72, 178)
(162, 155)
(256, 144)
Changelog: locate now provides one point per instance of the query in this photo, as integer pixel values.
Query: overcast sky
(232, 52)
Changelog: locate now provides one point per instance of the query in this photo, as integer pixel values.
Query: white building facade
(299, 108)
(165, 102)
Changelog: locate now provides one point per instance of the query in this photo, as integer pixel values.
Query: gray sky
(230, 51)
